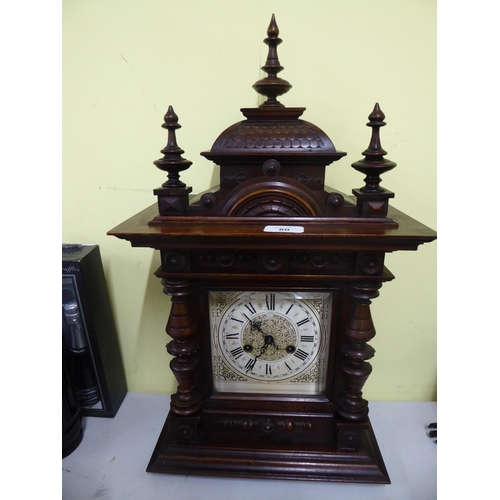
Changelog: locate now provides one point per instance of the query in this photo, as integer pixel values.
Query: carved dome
(273, 129)
(279, 133)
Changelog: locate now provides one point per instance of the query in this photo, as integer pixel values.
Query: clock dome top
(273, 129)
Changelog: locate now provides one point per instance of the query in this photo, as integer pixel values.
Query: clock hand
(268, 341)
(255, 325)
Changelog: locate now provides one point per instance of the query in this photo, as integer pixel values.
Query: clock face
(270, 342)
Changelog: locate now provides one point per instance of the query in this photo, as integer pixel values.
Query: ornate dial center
(269, 335)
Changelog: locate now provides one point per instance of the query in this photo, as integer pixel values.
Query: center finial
(272, 86)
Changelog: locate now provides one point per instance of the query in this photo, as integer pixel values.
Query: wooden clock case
(272, 224)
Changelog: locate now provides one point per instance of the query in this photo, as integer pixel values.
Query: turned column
(181, 326)
(355, 351)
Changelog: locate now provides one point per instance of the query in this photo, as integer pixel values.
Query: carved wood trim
(267, 425)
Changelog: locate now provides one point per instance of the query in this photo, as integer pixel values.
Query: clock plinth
(249, 452)
(271, 275)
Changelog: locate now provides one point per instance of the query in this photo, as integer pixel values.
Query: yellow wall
(125, 61)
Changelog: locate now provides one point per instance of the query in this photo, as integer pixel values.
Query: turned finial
(374, 164)
(172, 162)
(272, 85)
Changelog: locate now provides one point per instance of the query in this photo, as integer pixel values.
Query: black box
(90, 341)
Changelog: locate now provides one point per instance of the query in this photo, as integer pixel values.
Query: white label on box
(283, 229)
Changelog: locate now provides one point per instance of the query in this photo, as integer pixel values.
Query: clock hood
(273, 164)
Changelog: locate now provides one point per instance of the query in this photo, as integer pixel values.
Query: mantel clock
(271, 275)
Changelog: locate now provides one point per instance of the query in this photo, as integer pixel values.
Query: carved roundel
(349, 439)
(271, 167)
(272, 262)
(174, 261)
(186, 431)
(225, 259)
(335, 200)
(267, 426)
(372, 264)
(208, 200)
(319, 259)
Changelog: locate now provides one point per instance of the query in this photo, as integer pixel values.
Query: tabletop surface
(111, 461)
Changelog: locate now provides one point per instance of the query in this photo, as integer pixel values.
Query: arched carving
(271, 199)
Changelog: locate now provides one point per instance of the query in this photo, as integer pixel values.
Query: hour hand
(268, 340)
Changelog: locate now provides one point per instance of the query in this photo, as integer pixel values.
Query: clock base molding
(352, 455)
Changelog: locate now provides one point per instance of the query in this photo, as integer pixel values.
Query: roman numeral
(289, 309)
(237, 353)
(306, 338)
(250, 364)
(303, 322)
(268, 370)
(250, 307)
(238, 320)
(232, 335)
(286, 364)
(300, 354)
(270, 302)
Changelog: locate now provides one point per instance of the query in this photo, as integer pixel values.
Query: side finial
(272, 86)
(172, 162)
(374, 164)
